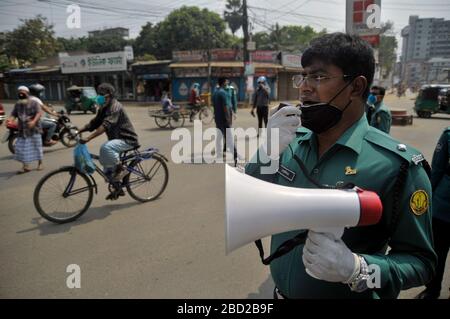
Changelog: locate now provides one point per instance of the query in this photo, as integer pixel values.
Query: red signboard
(374, 40)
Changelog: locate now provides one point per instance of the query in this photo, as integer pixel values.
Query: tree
(190, 28)
(147, 41)
(387, 49)
(286, 38)
(106, 43)
(31, 42)
(73, 44)
(4, 61)
(233, 15)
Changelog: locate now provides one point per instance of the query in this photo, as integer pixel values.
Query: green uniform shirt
(440, 177)
(381, 118)
(231, 98)
(369, 159)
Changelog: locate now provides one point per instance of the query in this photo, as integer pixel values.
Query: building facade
(423, 39)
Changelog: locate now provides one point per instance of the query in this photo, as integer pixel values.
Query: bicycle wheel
(176, 120)
(148, 179)
(63, 195)
(67, 138)
(206, 115)
(161, 119)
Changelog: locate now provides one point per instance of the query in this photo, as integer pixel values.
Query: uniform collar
(352, 137)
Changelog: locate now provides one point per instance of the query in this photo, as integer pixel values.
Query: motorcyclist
(36, 94)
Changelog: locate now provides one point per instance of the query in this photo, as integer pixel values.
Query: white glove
(286, 120)
(329, 259)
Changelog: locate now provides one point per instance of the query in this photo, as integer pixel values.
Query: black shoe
(114, 195)
(427, 294)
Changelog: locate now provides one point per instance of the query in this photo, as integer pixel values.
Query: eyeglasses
(313, 80)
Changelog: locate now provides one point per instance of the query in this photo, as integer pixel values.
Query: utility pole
(246, 52)
(245, 30)
(209, 63)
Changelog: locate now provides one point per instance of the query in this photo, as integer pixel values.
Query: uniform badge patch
(350, 171)
(419, 202)
(286, 173)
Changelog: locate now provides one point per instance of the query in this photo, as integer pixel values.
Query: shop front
(93, 69)
(190, 67)
(152, 79)
(291, 66)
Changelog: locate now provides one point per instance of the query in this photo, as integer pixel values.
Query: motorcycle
(62, 133)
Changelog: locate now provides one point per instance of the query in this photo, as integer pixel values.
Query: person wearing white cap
(28, 147)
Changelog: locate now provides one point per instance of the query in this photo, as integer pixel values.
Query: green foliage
(146, 57)
(73, 44)
(387, 55)
(286, 38)
(147, 41)
(387, 49)
(190, 28)
(106, 43)
(31, 42)
(233, 15)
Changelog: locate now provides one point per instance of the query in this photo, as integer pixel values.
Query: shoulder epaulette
(406, 152)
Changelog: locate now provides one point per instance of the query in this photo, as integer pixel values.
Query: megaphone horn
(256, 209)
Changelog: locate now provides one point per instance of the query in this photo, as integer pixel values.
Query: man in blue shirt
(222, 114)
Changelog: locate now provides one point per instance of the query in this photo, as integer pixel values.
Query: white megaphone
(256, 209)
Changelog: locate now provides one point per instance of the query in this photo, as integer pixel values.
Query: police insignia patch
(350, 171)
(419, 202)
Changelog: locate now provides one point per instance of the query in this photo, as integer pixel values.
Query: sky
(133, 14)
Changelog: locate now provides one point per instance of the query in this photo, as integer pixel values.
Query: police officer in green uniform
(336, 147)
(231, 100)
(440, 183)
(381, 117)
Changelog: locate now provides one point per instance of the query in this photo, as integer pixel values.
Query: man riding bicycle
(112, 120)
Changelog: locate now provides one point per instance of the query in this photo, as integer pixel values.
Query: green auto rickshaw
(430, 100)
(81, 99)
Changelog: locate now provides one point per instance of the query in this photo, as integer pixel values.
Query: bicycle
(69, 186)
(205, 113)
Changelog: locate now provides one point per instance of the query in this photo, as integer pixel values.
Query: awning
(45, 70)
(226, 64)
(153, 76)
(293, 70)
(156, 62)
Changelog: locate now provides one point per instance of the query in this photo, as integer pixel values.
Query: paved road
(170, 248)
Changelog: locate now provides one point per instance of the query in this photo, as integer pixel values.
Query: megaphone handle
(337, 233)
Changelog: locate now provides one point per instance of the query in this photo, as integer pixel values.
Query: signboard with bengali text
(101, 62)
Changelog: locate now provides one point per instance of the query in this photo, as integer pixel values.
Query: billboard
(101, 62)
(363, 19)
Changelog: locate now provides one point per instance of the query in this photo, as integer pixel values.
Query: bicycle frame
(136, 157)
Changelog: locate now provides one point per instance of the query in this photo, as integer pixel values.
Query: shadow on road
(95, 213)
(8, 175)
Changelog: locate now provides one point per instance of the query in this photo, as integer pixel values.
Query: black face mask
(320, 117)
(22, 96)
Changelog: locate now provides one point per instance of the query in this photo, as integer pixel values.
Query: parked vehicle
(428, 101)
(81, 99)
